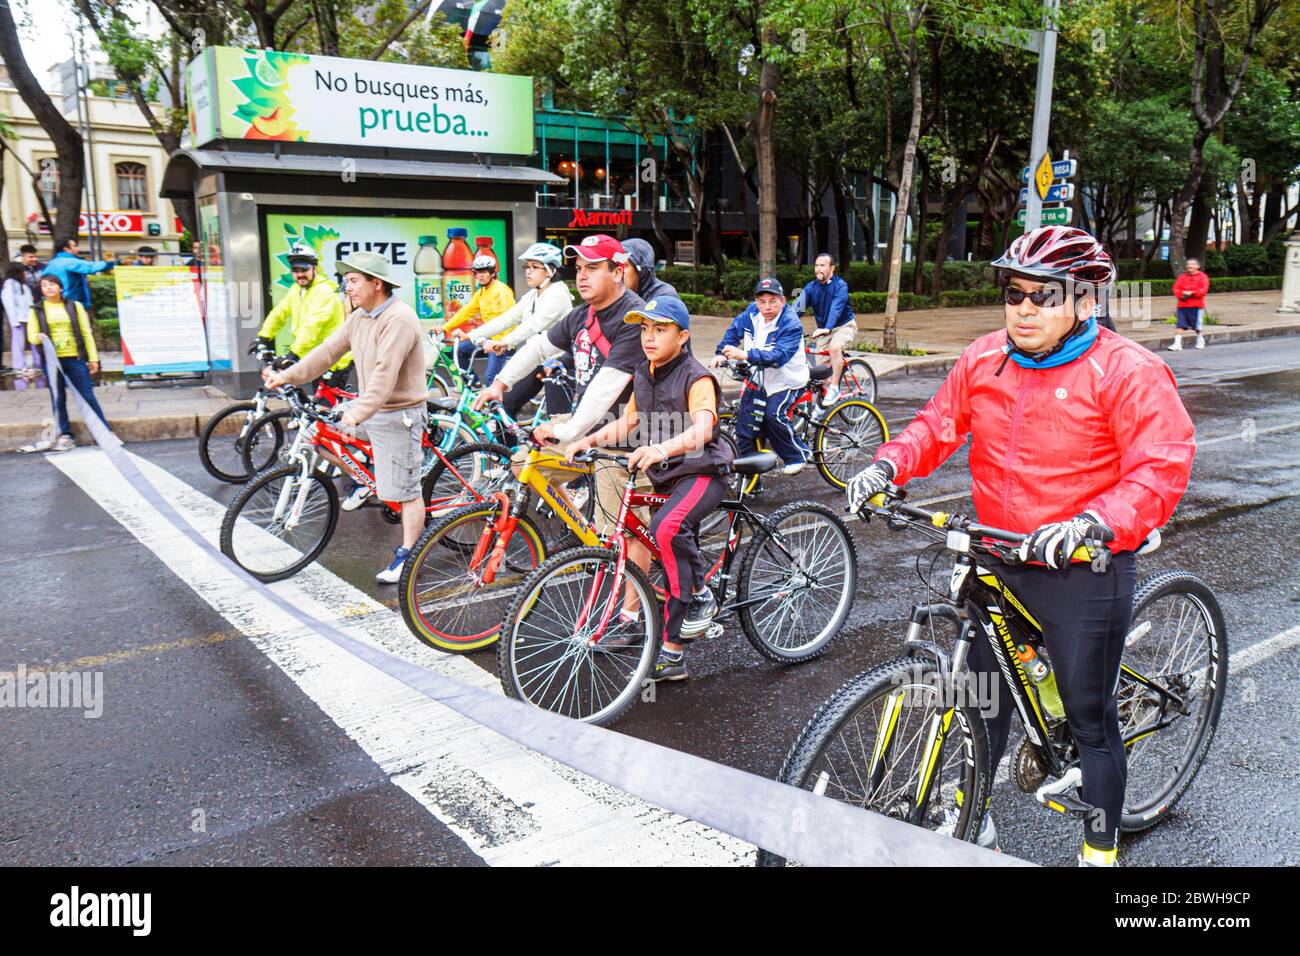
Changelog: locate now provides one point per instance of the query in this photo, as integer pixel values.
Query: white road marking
(510, 805)
(1242, 435)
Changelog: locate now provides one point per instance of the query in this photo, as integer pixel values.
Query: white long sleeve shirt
(535, 312)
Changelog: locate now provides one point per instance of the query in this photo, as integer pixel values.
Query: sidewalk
(150, 414)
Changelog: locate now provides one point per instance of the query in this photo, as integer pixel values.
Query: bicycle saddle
(441, 403)
(756, 463)
(819, 373)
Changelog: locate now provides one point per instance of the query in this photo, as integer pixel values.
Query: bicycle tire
(448, 542)
(468, 461)
(440, 385)
(1156, 806)
(521, 638)
(813, 758)
(254, 452)
(860, 438)
(249, 493)
(763, 625)
(858, 380)
(206, 437)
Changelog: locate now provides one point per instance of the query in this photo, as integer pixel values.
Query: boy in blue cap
(673, 417)
(768, 335)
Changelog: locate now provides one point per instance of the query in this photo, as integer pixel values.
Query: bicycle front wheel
(1173, 678)
(795, 592)
(222, 441)
(888, 741)
(846, 440)
(280, 522)
(547, 655)
(445, 596)
(265, 438)
(456, 478)
(858, 380)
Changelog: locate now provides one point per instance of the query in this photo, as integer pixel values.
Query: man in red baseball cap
(605, 351)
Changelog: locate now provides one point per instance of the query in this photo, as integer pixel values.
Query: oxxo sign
(112, 222)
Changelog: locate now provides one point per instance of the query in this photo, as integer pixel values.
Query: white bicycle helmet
(483, 261)
(545, 253)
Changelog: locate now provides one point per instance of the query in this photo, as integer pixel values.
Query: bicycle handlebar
(889, 504)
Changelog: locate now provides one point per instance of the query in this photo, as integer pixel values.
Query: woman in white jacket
(17, 301)
(546, 302)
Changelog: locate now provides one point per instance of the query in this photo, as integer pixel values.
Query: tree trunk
(768, 80)
(954, 203)
(1274, 203)
(1198, 228)
(67, 141)
(845, 251)
(1245, 213)
(670, 251)
(1155, 243)
(905, 186)
(327, 26)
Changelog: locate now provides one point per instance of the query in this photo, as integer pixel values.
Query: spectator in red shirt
(1189, 298)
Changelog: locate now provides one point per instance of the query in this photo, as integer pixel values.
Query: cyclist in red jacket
(1189, 302)
(1069, 424)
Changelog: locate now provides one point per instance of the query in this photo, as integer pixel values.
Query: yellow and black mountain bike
(906, 739)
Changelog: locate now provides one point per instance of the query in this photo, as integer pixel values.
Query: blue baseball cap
(769, 284)
(665, 308)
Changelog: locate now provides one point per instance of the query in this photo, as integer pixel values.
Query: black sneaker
(703, 609)
(669, 667)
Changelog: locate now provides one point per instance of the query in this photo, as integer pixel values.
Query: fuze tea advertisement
(429, 256)
(293, 97)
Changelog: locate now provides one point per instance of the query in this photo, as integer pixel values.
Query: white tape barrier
(793, 823)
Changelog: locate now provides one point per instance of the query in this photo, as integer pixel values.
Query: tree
(1210, 101)
(68, 145)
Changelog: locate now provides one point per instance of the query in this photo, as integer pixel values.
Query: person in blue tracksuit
(769, 336)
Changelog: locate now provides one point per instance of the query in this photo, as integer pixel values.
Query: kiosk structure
(345, 155)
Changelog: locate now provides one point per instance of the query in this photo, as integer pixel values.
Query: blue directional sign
(1061, 169)
(1059, 192)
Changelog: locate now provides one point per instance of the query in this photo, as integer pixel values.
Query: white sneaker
(795, 468)
(1177, 346)
(832, 396)
(355, 500)
(1200, 341)
(64, 443)
(393, 573)
(988, 835)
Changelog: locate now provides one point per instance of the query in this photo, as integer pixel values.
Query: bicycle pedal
(715, 630)
(1063, 795)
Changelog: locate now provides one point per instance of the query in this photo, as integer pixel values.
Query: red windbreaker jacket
(1106, 433)
(1197, 285)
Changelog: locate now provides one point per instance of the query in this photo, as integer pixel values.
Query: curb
(158, 428)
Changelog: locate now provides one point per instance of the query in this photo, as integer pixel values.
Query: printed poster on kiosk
(429, 256)
(160, 320)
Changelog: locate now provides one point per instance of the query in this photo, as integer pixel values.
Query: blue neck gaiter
(1075, 346)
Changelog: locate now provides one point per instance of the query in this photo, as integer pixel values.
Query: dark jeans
(1085, 618)
(77, 375)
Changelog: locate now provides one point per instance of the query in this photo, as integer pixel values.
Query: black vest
(663, 413)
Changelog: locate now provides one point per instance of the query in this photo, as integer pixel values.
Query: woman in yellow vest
(490, 299)
(74, 343)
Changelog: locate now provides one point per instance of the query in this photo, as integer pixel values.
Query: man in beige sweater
(383, 335)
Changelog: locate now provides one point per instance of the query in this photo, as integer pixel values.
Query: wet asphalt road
(200, 728)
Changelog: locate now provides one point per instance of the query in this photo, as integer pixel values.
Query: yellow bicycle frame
(531, 476)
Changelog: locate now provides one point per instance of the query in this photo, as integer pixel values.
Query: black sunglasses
(1013, 296)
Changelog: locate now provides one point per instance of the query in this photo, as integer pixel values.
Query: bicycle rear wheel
(442, 594)
(846, 440)
(1178, 642)
(276, 526)
(545, 656)
(869, 745)
(801, 601)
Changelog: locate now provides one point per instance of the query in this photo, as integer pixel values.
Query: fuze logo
(582, 219)
(394, 252)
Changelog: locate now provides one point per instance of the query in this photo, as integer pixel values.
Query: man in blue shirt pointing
(828, 297)
(71, 271)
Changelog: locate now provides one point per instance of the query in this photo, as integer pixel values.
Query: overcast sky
(45, 40)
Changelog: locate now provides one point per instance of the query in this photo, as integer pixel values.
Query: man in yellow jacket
(315, 310)
(490, 299)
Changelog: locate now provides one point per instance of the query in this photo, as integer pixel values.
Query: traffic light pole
(1042, 109)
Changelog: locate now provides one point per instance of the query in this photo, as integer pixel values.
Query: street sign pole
(1042, 107)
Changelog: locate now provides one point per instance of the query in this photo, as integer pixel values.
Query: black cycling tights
(1085, 618)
